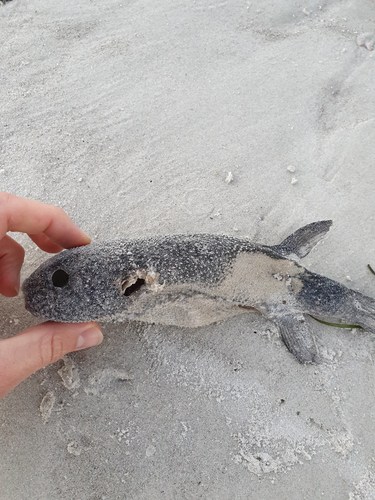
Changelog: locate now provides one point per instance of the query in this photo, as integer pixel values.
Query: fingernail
(85, 235)
(89, 338)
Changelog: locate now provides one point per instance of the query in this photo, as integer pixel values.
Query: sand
(244, 118)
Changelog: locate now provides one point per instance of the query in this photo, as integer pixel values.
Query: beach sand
(245, 118)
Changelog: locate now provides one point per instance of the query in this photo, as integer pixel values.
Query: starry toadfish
(196, 280)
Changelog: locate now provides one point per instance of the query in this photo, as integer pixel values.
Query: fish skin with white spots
(196, 280)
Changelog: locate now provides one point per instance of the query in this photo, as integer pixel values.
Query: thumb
(40, 345)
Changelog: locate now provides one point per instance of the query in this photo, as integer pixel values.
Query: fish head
(73, 286)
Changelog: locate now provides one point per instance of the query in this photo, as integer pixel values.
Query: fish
(196, 280)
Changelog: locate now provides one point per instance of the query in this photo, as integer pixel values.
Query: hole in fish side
(130, 286)
(60, 278)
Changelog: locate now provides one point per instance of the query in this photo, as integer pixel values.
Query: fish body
(196, 280)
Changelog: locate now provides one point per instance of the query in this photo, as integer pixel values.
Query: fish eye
(60, 278)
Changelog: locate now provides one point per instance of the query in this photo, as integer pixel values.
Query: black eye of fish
(60, 278)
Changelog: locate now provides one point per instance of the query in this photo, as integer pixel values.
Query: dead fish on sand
(195, 280)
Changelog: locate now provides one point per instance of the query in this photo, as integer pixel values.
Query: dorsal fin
(302, 241)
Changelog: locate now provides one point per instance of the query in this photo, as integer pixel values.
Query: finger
(33, 217)
(46, 243)
(40, 345)
(11, 260)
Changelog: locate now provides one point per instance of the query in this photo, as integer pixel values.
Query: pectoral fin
(302, 241)
(297, 337)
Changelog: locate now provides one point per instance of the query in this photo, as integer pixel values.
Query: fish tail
(331, 301)
(365, 307)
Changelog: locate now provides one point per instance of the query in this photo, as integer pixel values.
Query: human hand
(38, 346)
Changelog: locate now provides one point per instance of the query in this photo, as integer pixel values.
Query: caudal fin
(365, 309)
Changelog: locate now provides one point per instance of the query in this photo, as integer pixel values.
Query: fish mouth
(36, 299)
(31, 300)
(46, 305)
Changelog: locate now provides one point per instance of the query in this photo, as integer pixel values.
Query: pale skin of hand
(38, 346)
